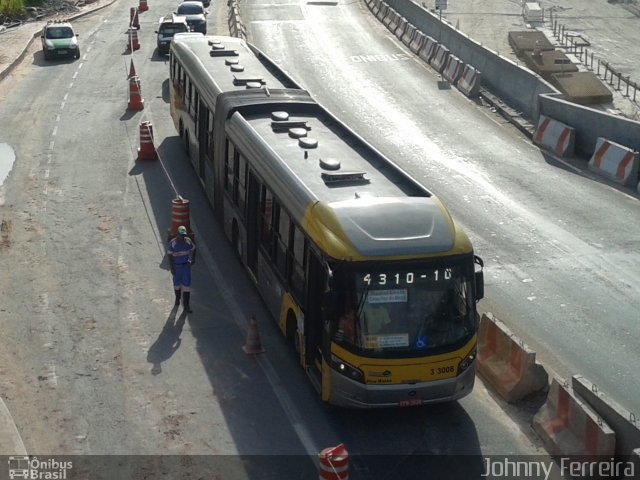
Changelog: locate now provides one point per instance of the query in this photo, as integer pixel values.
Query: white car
(59, 40)
(195, 14)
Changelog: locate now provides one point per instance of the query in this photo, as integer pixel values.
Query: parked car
(195, 14)
(59, 40)
(167, 27)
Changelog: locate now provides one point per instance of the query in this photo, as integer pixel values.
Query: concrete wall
(590, 124)
(519, 87)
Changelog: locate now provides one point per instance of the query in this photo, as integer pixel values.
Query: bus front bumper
(348, 393)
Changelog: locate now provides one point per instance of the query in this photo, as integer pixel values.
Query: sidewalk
(15, 41)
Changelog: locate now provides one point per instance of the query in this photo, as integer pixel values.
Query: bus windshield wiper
(363, 299)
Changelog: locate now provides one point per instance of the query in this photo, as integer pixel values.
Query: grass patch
(11, 8)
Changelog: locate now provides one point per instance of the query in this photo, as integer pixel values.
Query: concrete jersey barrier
(402, 26)
(409, 33)
(506, 362)
(615, 162)
(469, 82)
(429, 47)
(555, 136)
(453, 70)
(568, 427)
(418, 40)
(439, 58)
(624, 423)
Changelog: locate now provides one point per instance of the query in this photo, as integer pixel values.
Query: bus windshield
(420, 310)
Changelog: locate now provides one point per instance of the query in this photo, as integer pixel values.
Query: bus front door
(316, 282)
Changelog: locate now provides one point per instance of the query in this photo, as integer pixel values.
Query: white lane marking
(46, 173)
(51, 144)
(80, 66)
(75, 74)
(66, 96)
(62, 105)
(55, 131)
(57, 118)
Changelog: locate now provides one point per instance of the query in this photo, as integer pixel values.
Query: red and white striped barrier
(439, 59)
(375, 6)
(506, 362)
(555, 136)
(402, 26)
(429, 47)
(418, 40)
(615, 162)
(469, 82)
(391, 20)
(382, 13)
(408, 35)
(568, 427)
(453, 70)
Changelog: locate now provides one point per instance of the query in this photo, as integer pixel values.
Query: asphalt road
(560, 245)
(96, 362)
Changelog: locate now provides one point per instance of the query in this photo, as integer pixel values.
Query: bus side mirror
(479, 277)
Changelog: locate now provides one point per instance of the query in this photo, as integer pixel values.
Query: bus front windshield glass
(407, 312)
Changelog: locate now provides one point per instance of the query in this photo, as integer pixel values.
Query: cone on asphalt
(134, 22)
(253, 345)
(147, 150)
(132, 70)
(132, 40)
(136, 102)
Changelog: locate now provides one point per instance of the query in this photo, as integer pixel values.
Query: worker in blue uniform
(182, 256)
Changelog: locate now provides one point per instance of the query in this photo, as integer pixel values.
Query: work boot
(186, 296)
(177, 298)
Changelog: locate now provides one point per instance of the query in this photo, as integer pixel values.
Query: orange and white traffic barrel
(334, 463)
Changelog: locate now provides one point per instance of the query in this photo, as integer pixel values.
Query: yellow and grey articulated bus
(367, 274)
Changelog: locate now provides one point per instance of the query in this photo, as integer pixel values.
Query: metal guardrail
(578, 46)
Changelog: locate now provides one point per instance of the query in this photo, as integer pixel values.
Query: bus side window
(266, 217)
(229, 163)
(282, 240)
(241, 179)
(298, 264)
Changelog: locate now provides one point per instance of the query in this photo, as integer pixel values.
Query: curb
(9, 68)
(10, 440)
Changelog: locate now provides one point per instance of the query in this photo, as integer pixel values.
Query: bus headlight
(347, 370)
(467, 362)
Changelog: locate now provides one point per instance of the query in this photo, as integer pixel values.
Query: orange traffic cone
(136, 102)
(252, 345)
(132, 70)
(143, 6)
(132, 42)
(146, 151)
(134, 22)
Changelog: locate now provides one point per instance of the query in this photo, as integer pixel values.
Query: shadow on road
(168, 341)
